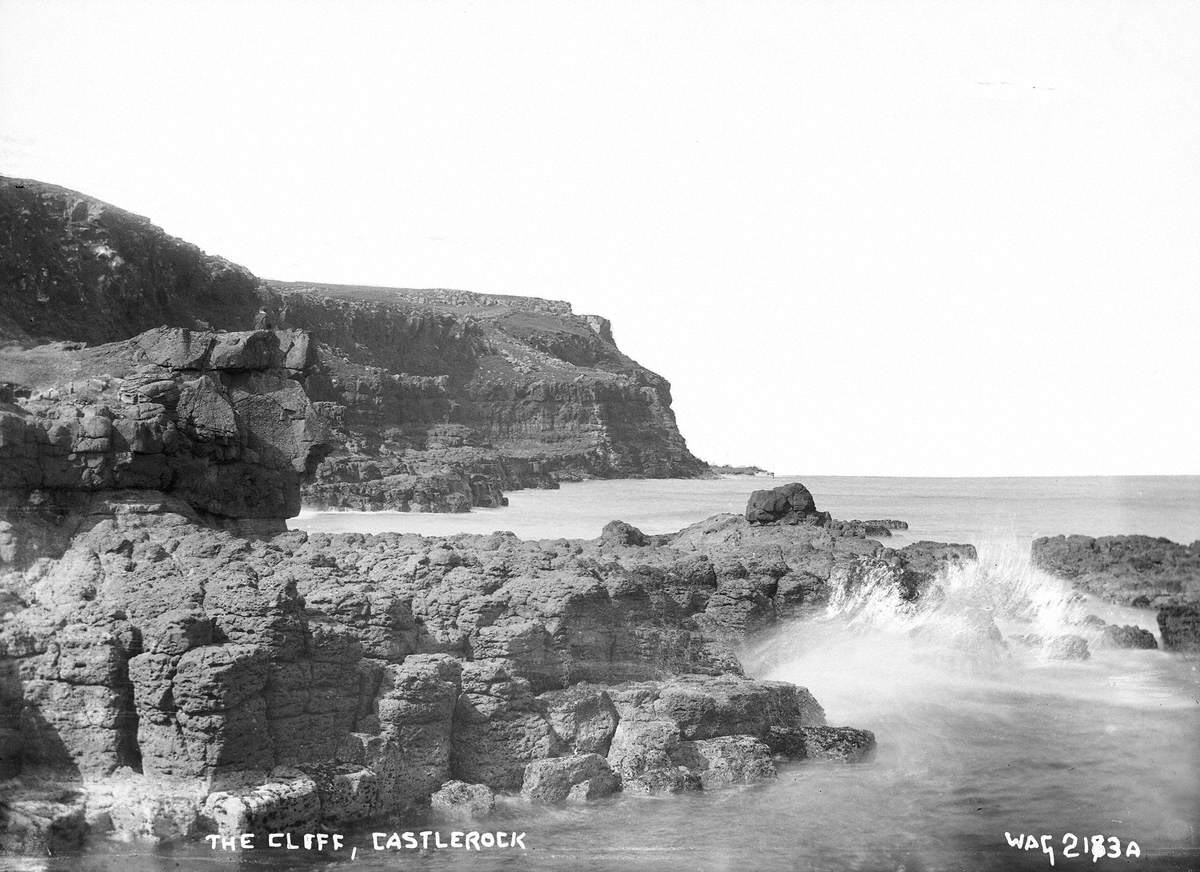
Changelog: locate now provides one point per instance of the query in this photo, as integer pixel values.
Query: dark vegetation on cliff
(434, 400)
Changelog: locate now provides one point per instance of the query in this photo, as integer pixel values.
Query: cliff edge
(438, 400)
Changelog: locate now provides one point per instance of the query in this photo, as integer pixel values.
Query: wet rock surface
(1065, 646)
(1137, 571)
(1180, 627)
(1130, 570)
(578, 777)
(295, 679)
(835, 744)
(1128, 636)
(457, 800)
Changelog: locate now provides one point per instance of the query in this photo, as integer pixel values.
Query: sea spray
(874, 656)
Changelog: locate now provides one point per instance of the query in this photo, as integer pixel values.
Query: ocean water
(979, 743)
(945, 509)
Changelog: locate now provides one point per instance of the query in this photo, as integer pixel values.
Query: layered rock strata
(221, 420)
(437, 400)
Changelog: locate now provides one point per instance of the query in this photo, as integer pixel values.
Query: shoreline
(536, 740)
(497, 713)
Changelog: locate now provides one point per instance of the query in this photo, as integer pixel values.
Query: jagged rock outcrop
(1130, 570)
(437, 400)
(881, 528)
(220, 421)
(835, 744)
(1128, 636)
(1133, 570)
(1180, 627)
(312, 679)
(1120, 636)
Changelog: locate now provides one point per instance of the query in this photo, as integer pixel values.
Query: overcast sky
(859, 238)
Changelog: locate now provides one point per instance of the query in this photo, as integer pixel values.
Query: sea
(989, 757)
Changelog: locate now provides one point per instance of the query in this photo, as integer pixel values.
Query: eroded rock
(577, 777)
(457, 800)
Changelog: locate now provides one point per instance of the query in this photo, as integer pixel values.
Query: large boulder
(705, 708)
(582, 716)
(457, 800)
(787, 504)
(1127, 636)
(557, 779)
(618, 533)
(647, 756)
(1066, 646)
(289, 800)
(498, 727)
(837, 744)
(700, 731)
(727, 760)
(408, 741)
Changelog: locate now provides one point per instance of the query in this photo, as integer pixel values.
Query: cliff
(492, 393)
(438, 400)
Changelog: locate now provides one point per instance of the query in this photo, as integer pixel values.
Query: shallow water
(976, 738)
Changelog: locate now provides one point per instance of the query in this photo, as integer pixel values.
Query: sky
(860, 238)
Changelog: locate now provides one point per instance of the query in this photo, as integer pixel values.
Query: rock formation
(878, 528)
(173, 661)
(165, 675)
(1133, 570)
(1180, 627)
(221, 419)
(435, 400)
(740, 471)
(789, 504)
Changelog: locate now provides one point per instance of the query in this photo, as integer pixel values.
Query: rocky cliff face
(440, 400)
(219, 420)
(489, 393)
